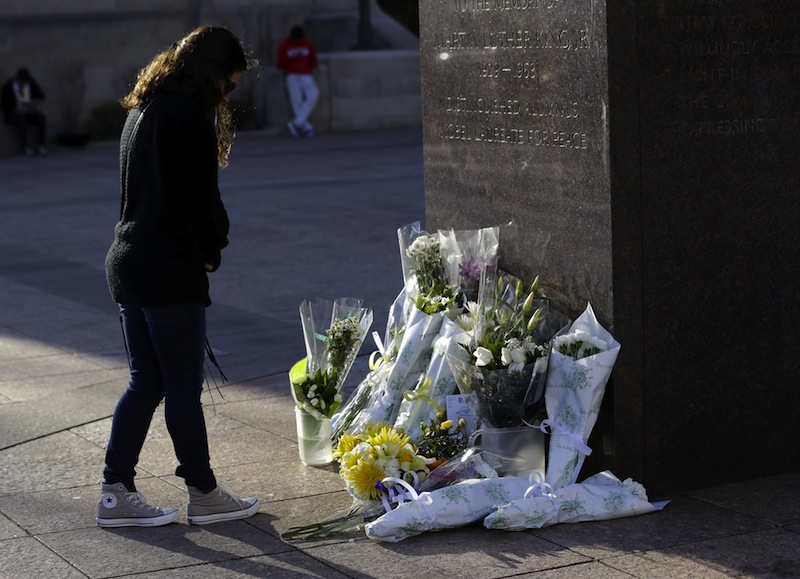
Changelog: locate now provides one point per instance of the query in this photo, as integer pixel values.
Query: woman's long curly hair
(198, 64)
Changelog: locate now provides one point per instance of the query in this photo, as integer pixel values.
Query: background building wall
(86, 54)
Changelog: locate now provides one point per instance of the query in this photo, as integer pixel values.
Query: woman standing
(172, 227)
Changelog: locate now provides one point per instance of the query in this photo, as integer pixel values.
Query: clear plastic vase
(313, 439)
(520, 450)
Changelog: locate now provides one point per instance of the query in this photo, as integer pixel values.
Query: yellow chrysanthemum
(363, 477)
(387, 434)
(347, 442)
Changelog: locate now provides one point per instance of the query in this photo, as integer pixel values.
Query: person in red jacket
(297, 58)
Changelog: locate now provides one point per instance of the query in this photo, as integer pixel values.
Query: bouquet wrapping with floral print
(449, 507)
(428, 398)
(600, 497)
(580, 366)
(402, 373)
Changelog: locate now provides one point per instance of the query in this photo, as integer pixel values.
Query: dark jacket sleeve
(194, 204)
(36, 91)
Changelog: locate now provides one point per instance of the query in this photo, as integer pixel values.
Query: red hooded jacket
(297, 56)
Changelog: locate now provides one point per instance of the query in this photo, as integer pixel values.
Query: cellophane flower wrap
(380, 365)
(430, 299)
(502, 359)
(428, 397)
(580, 366)
(429, 281)
(464, 257)
(468, 255)
(334, 332)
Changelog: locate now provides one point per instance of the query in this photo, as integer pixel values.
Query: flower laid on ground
(334, 332)
(378, 465)
(598, 498)
(443, 439)
(378, 452)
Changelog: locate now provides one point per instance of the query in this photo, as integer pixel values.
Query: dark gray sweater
(172, 220)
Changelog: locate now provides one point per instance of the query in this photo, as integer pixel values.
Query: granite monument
(646, 154)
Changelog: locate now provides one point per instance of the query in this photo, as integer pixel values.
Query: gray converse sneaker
(218, 505)
(118, 507)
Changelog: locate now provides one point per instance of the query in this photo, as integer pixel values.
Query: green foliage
(437, 440)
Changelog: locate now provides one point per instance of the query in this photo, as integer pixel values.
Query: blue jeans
(166, 349)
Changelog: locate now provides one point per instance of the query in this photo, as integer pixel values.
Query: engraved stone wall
(647, 153)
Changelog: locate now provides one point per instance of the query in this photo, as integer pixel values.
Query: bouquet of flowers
(333, 332)
(378, 452)
(465, 257)
(380, 468)
(450, 507)
(428, 398)
(598, 498)
(580, 366)
(380, 365)
(442, 439)
(424, 272)
(468, 256)
(502, 358)
(469, 463)
(430, 298)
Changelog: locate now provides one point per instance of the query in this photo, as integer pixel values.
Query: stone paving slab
(311, 218)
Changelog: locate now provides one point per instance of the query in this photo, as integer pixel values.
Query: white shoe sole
(229, 516)
(164, 519)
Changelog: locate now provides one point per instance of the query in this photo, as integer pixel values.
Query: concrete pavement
(309, 218)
